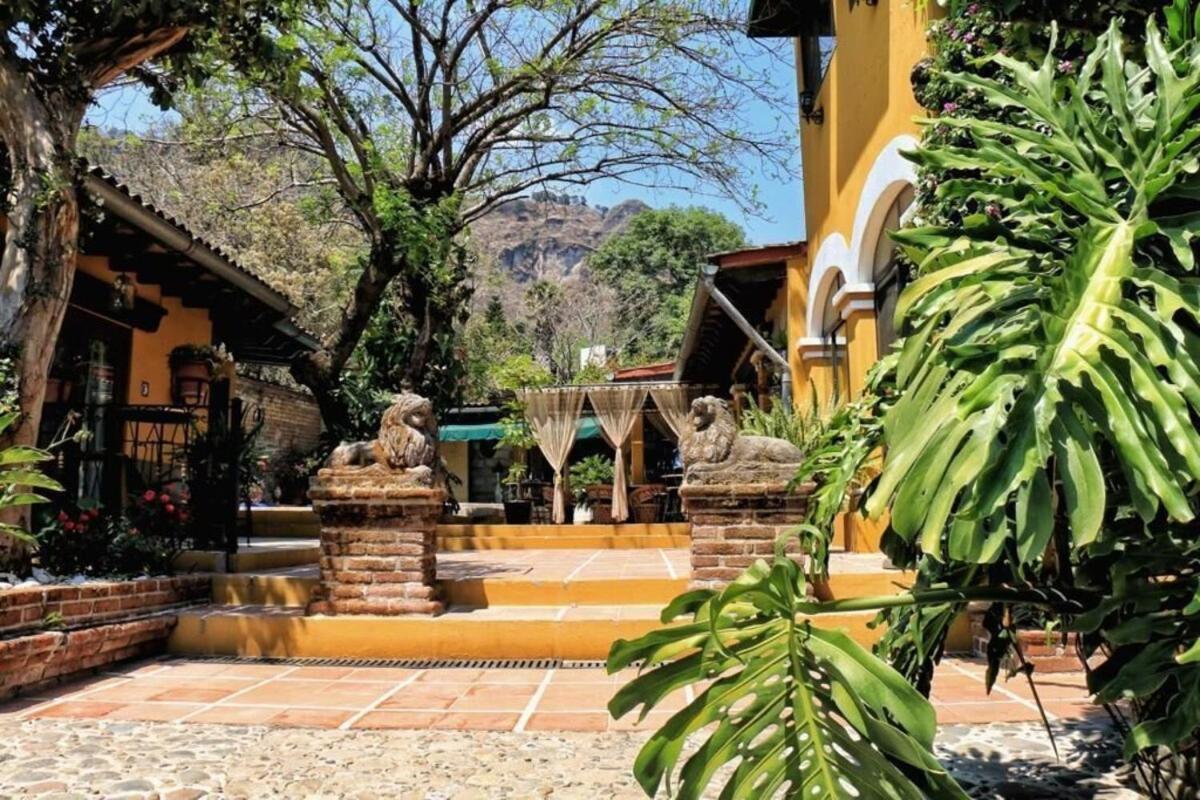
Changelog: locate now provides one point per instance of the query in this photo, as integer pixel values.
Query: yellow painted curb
(246, 561)
(447, 637)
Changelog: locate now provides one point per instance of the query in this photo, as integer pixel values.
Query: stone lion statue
(408, 440)
(715, 452)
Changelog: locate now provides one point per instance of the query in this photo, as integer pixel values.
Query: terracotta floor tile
(426, 697)
(128, 692)
(450, 675)
(238, 715)
(282, 693)
(154, 712)
(191, 669)
(311, 718)
(386, 674)
(319, 673)
(477, 721)
(410, 720)
(576, 697)
(520, 676)
(980, 713)
(565, 721)
(191, 694)
(75, 686)
(581, 675)
(494, 697)
(260, 671)
(82, 709)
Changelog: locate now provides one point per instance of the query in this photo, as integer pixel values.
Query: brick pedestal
(378, 545)
(734, 525)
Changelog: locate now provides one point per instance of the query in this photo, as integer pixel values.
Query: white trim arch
(889, 175)
(833, 256)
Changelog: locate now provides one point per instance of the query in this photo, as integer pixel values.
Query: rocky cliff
(547, 236)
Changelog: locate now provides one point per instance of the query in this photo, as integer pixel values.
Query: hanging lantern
(122, 295)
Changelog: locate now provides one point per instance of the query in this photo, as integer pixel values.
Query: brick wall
(25, 608)
(291, 424)
(291, 420)
(735, 525)
(95, 624)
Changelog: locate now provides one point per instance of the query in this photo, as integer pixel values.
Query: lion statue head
(710, 432)
(408, 433)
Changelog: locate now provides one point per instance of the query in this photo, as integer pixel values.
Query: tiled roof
(115, 182)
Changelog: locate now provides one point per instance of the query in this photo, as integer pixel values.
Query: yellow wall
(149, 351)
(455, 456)
(867, 100)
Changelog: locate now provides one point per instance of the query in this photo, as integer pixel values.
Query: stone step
(295, 591)
(556, 577)
(500, 632)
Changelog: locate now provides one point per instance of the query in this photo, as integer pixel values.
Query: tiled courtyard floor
(503, 699)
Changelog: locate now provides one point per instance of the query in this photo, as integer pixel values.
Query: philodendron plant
(1042, 448)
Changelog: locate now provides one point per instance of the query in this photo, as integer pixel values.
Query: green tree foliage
(653, 266)
(431, 114)
(54, 56)
(1040, 444)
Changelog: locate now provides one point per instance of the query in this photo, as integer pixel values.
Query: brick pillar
(734, 525)
(378, 545)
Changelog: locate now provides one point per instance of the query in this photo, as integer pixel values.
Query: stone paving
(58, 759)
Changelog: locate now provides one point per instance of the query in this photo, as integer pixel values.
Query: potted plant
(518, 510)
(193, 367)
(592, 478)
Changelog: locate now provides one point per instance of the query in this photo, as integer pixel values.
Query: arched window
(888, 273)
(833, 331)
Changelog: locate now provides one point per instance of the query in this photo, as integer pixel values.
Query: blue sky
(781, 220)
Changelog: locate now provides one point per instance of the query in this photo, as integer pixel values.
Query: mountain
(547, 235)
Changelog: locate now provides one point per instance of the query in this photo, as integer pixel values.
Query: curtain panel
(617, 408)
(552, 415)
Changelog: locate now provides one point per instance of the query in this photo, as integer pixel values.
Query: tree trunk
(40, 239)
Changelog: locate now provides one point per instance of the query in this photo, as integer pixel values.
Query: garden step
(499, 632)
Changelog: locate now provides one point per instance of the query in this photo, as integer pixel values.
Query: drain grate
(402, 663)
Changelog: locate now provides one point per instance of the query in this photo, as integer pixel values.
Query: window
(890, 274)
(833, 331)
(817, 43)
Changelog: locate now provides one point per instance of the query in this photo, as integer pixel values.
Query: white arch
(889, 175)
(832, 257)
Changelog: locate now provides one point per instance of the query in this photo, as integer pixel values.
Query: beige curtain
(553, 414)
(672, 403)
(617, 408)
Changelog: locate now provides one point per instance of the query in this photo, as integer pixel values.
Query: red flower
(68, 526)
(170, 508)
(164, 498)
(62, 516)
(148, 496)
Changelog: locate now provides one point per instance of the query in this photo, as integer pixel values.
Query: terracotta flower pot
(189, 382)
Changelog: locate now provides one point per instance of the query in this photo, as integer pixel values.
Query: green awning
(586, 428)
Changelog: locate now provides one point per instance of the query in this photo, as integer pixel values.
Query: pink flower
(164, 498)
(62, 516)
(170, 509)
(950, 108)
(68, 526)
(148, 496)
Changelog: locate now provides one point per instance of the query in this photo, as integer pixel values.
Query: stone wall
(49, 633)
(735, 525)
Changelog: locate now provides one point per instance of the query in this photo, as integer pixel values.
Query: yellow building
(854, 61)
(835, 294)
